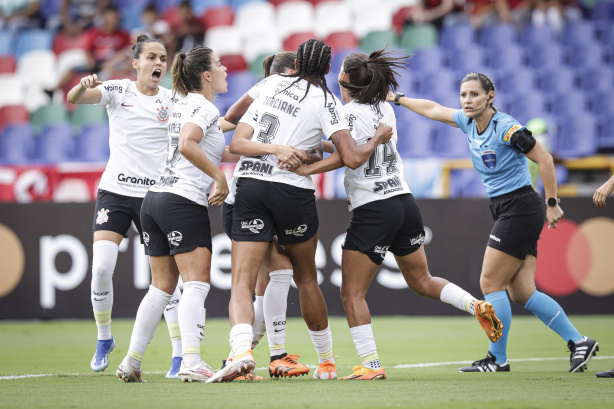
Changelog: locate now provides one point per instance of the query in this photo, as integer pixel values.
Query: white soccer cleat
(200, 373)
(235, 367)
(128, 373)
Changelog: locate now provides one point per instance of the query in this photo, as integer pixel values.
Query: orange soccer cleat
(365, 374)
(287, 367)
(485, 313)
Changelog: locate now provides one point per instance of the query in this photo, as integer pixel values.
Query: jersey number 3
(268, 128)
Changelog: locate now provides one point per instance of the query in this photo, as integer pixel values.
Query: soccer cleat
(175, 366)
(485, 313)
(235, 367)
(100, 361)
(326, 370)
(199, 373)
(287, 367)
(605, 374)
(366, 374)
(581, 353)
(250, 376)
(487, 364)
(128, 373)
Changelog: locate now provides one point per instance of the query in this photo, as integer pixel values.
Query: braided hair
(312, 62)
(485, 82)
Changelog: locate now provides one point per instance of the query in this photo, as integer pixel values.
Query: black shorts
(265, 209)
(116, 212)
(226, 215)
(173, 224)
(393, 224)
(519, 219)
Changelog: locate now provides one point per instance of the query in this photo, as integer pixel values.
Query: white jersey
(381, 176)
(180, 176)
(138, 126)
(281, 119)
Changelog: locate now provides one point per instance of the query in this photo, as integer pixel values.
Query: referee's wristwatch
(553, 201)
(397, 96)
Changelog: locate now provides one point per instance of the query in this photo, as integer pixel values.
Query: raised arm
(238, 109)
(427, 108)
(354, 155)
(85, 92)
(540, 156)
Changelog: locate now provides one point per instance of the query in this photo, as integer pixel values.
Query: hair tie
(364, 63)
(272, 58)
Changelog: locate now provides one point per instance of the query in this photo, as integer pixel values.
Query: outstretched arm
(603, 192)
(427, 108)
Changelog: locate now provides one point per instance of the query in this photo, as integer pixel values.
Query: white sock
(259, 326)
(103, 265)
(171, 315)
(241, 336)
(323, 342)
(364, 341)
(147, 319)
(275, 307)
(192, 316)
(461, 299)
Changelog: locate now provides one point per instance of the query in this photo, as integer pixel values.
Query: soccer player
(385, 215)
(138, 121)
(296, 111)
(499, 148)
(175, 218)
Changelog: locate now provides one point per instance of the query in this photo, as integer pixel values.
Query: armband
(523, 140)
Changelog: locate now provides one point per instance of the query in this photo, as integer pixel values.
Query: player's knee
(102, 270)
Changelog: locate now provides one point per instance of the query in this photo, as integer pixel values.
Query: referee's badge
(490, 159)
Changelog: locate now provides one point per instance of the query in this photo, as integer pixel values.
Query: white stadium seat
(375, 18)
(254, 16)
(224, 40)
(295, 17)
(71, 59)
(265, 41)
(332, 17)
(38, 69)
(13, 90)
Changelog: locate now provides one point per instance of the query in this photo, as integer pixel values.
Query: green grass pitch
(61, 350)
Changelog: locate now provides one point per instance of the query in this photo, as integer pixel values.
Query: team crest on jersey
(103, 216)
(489, 158)
(510, 132)
(174, 238)
(162, 113)
(253, 225)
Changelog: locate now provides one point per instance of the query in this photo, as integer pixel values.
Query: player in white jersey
(385, 215)
(175, 216)
(138, 122)
(292, 114)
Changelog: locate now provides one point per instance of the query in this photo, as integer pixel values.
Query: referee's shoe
(581, 353)
(487, 364)
(606, 374)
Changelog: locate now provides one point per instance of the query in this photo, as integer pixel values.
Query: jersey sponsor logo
(489, 158)
(253, 225)
(126, 105)
(297, 231)
(146, 238)
(167, 181)
(281, 89)
(103, 216)
(509, 133)
(334, 115)
(417, 240)
(100, 294)
(162, 113)
(135, 180)
(388, 186)
(351, 118)
(175, 237)
(111, 88)
(130, 92)
(495, 238)
(249, 167)
(282, 106)
(195, 112)
(381, 250)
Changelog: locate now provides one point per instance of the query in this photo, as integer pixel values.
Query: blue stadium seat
(457, 37)
(407, 81)
(50, 8)
(570, 102)
(426, 60)
(200, 7)
(545, 56)
(32, 40)
(437, 82)
(466, 61)
(531, 36)
(515, 81)
(54, 144)
(92, 144)
(239, 82)
(601, 103)
(163, 5)
(466, 183)
(506, 58)
(595, 80)
(15, 144)
(450, 142)
(415, 136)
(584, 56)
(556, 80)
(131, 17)
(333, 83)
(123, 6)
(6, 42)
(525, 105)
(578, 33)
(605, 134)
(234, 3)
(577, 136)
(497, 36)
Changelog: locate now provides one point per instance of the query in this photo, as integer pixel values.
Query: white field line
(400, 366)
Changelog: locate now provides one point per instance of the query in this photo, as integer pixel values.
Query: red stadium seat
(218, 16)
(7, 64)
(316, 2)
(278, 2)
(293, 41)
(233, 62)
(13, 114)
(171, 16)
(341, 41)
(399, 19)
(62, 42)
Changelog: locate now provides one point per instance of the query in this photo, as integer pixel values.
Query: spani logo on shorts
(145, 238)
(253, 225)
(297, 231)
(174, 238)
(381, 250)
(417, 240)
(490, 159)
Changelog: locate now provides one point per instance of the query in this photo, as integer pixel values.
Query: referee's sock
(501, 302)
(552, 314)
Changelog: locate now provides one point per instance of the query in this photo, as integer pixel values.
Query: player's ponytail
(187, 69)
(279, 63)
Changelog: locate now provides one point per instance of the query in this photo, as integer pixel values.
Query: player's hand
(603, 192)
(301, 170)
(390, 97)
(91, 81)
(220, 191)
(289, 156)
(383, 132)
(554, 214)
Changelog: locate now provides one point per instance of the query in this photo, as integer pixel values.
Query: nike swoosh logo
(278, 330)
(99, 299)
(126, 105)
(169, 308)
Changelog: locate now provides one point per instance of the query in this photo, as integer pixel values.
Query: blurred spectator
(18, 14)
(155, 27)
(555, 13)
(189, 30)
(521, 11)
(82, 13)
(429, 11)
(480, 13)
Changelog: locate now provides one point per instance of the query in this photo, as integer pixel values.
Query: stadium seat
(164, 5)
(427, 60)
(51, 114)
(295, 17)
(254, 17)
(497, 36)
(342, 41)
(171, 16)
(225, 40)
(526, 104)
(506, 58)
(331, 17)
(62, 43)
(201, 7)
(7, 42)
(466, 183)
(54, 144)
(233, 62)
(15, 144)
(556, 80)
(131, 18)
(570, 102)
(376, 40)
(414, 136)
(13, 114)
(450, 142)
(605, 136)
(71, 59)
(457, 37)
(578, 34)
(239, 83)
(602, 103)
(218, 16)
(256, 68)
(544, 56)
(378, 17)
(514, 81)
(532, 36)
(265, 41)
(13, 90)
(294, 40)
(417, 36)
(32, 40)
(585, 56)
(466, 61)
(50, 8)
(577, 136)
(407, 81)
(399, 18)
(87, 114)
(603, 10)
(37, 69)
(441, 81)
(92, 144)
(7, 64)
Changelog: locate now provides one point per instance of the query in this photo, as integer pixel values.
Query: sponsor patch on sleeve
(510, 132)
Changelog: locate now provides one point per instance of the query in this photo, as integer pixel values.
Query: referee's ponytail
(188, 68)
